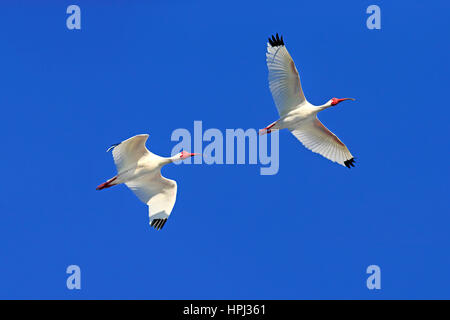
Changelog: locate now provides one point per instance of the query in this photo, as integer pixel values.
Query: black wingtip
(112, 146)
(350, 163)
(158, 224)
(276, 41)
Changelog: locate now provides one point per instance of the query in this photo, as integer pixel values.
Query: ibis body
(140, 170)
(296, 113)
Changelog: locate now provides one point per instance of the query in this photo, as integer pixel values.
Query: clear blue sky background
(308, 232)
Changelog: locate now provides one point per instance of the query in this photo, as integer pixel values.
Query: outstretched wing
(284, 81)
(128, 153)
(317, 138)
(158, 193)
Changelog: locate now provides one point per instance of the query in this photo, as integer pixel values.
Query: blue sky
(308, 232)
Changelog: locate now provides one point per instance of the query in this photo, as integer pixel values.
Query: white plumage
(140, 170)
(296, 113)
(284, 81)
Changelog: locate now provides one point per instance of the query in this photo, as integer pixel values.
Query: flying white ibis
(297, 114)
(140, 170)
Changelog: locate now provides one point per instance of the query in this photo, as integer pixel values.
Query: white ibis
(296, 113)
(140, 170)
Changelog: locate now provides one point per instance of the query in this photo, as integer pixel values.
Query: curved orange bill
(343, 99)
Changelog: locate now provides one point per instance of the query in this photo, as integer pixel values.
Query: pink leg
(267, 129)
(106, 184)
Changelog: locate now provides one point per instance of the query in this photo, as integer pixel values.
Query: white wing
(317, 138)
(158, 193)
(284, 81)
(128, 153)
